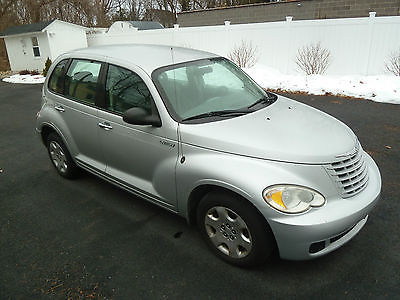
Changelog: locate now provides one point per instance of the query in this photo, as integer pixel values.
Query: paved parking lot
(88, 239)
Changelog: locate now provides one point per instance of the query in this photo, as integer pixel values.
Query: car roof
(147, 57)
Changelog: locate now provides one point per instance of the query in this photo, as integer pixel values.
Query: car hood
(286, 131)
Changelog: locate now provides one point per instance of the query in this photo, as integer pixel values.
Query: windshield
(207, 88)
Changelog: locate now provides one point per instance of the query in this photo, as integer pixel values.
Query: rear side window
(81, 80)
(56, 81)
(125, 90)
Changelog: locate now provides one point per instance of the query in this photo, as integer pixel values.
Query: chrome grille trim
(350, 174)
(348, 168)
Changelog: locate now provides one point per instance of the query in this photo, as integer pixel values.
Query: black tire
(60, 157)
(258, 232)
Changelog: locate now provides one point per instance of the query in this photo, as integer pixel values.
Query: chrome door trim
(105, 125)
(59, 108)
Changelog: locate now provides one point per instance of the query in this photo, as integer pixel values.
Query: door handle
(59, 108)
(105, 125)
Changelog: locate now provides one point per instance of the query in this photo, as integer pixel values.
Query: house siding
(64, 37)
(57, 38)
(20, 52)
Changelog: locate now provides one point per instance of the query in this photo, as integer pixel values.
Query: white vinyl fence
(358, 46)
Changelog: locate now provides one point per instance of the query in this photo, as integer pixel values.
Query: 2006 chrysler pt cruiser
(188, 130)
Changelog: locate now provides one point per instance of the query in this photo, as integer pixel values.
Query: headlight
(292, 199)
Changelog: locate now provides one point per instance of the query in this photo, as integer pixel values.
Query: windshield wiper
(266, 100)
(232, 113)
(218, 113)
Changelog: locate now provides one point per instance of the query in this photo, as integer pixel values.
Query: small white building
(120, 27)
(29, 46)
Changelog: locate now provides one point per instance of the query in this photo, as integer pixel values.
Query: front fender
(245, 176)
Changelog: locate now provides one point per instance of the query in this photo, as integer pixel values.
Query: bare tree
(392, 64)
(130, 10)
(313, 59)
(4, 6)
(244, 55)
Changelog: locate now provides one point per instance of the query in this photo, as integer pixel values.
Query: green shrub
(47, 65)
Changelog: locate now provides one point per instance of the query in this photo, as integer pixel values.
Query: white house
(122, 27)
(29, 46)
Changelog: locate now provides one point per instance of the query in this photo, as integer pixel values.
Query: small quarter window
(36, 49)
(125, 89)
(81, 80)
(56, 81)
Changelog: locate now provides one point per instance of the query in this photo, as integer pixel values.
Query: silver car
(191, 132)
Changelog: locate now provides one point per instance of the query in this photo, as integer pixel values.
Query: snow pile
(382, 88)
(31, 79)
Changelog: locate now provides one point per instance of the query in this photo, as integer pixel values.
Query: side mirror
(138, 116)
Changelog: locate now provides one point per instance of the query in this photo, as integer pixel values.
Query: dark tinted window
(81, 80)
(36, 51)
(125, 89)
(56, 81)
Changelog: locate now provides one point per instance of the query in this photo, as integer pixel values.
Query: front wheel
(234, 229)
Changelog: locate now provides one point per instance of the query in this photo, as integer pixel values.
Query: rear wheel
(234, 229)
(60, 157)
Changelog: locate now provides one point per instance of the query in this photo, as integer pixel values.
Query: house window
(35, 44)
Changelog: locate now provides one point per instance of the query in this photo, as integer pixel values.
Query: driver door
(135, 155)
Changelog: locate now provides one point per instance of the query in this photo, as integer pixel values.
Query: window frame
(105, 101)
(99, 92)
(100, 98)
(36, 47)
(69, 60)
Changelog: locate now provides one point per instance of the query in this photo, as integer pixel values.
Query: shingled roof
(146, 25)
(27, 28)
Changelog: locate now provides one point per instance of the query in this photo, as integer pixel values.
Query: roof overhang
(66, 23)
(21, 34)
(48, 26)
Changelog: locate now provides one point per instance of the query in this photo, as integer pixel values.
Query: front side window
(56, 81)
(125, 90)
(207, 88)
(81, 80)
(35, 45)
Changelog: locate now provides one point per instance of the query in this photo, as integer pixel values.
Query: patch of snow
(382, 88)
(29, 79)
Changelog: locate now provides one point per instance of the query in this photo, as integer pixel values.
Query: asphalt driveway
(88, 239)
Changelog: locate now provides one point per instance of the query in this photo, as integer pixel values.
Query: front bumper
(322, 230)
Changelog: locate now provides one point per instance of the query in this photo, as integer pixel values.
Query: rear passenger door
(143, 158)
(78, 108)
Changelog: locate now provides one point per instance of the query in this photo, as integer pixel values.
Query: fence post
(228, 38)
(174, 35)
(289, 42)
(371, 25)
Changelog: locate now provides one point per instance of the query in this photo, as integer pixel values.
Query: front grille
(350, 174)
